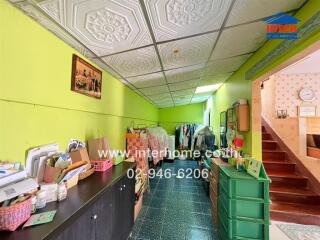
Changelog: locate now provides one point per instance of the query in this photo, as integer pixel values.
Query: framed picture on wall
(230, 115)
(307, 111)
(223, 122)
(85, 79)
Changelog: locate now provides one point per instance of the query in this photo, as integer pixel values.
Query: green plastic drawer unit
(242, 228)
(223, 235)
(241, 184)
(244, 207)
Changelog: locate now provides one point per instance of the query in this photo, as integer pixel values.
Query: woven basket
(12, 217)
(86, 174)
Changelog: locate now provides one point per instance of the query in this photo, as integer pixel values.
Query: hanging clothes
(184, 134)
(137, 148)
(204, 139)
(158, 142)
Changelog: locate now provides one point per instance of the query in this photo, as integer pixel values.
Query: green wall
(169, 118)
(36, 103)
(238, 87)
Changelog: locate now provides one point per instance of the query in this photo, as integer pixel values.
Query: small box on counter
(51, 191)
(79, 155)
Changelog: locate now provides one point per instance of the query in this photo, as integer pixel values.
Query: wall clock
(307, 94)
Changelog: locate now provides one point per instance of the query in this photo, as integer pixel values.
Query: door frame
(256, 90)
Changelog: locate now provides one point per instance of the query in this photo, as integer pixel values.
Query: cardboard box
(80, 155)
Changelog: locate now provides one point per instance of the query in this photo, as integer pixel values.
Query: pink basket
(12, 217)
(101, 165)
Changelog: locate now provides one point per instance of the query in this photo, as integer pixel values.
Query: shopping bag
(98, 149)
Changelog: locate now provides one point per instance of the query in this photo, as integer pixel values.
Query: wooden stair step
(295, 213)
(266, 136)
(293, 194)
(279, 165)
(269, 145)
(287, 178)
(273, 155)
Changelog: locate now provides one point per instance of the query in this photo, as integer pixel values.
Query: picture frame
(85, 79)
(230, 115)
(254, 168)
(223, 122)
(235, 114)
(307, 111)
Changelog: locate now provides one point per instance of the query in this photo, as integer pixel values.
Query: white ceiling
(309, 64)
(163, 49)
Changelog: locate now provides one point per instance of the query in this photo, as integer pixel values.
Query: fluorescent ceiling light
(208, 88)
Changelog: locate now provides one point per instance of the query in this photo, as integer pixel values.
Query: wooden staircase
(292, 199)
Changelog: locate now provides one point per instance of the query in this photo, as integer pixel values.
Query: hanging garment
(158, 142)
(210, 142)
(137, 148)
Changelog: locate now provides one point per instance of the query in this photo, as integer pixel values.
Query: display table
(99, 207)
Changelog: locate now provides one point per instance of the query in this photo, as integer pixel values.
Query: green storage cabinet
(243, 205)
(242, 228)
(241, 184)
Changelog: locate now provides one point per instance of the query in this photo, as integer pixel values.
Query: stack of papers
(18, 188)
(10, 173)
(37, 158)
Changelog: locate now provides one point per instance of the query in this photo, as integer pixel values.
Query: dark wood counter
(80, 199)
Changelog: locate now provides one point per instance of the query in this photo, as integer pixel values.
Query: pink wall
(287, 87)
(281, 92)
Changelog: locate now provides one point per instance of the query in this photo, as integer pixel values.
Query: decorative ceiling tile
(164, 100)
(184, 85)
(43, 20)
(202, 95)
(183, 74)
(183, 92)
(105, 67)
(165, 105)
(199, 100)
(149, 80)
(183, 98)
(212, 79)
(248, 10)
(104, 26)
(160, 96)
(178, 18)
(180, 103)
(155, 90)
(134, 63)
(54, 8)
(248, 37)
(186, 52)
(225, 65)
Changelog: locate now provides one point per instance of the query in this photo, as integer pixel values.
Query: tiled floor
(175, 208)
(276, 233)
